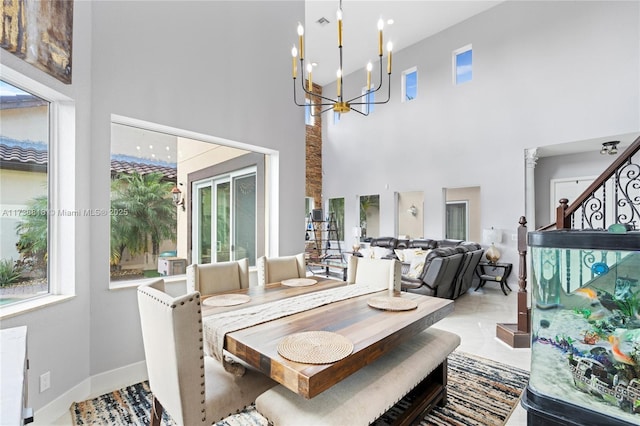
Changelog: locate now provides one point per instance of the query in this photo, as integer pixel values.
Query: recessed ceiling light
(389, 21)
(150, 146)
(314, 64)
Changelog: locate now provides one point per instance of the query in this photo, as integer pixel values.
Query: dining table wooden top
(372, 331)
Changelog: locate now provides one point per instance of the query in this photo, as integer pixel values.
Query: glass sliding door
(222, 208)
(231, 200)
(244, 220)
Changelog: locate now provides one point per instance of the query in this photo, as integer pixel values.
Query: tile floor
(474, 319)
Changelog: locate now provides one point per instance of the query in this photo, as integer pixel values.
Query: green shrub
(9, 272)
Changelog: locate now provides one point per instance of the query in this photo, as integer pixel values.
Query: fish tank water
(585, 327)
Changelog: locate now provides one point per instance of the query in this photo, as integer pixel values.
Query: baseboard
(90, 388)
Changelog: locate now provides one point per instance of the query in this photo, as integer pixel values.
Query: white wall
(216, 68)
(543, 73)
(58, 335)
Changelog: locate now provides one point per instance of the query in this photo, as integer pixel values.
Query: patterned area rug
(480, 392)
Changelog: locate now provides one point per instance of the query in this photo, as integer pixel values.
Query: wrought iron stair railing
(612, 198)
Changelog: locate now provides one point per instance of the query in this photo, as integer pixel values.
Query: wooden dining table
(372, 331)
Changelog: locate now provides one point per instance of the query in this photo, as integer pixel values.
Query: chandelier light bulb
(300, 29)
(389, 47)
(294, 52)
(309, 68)
(380, 24)
(369, 66)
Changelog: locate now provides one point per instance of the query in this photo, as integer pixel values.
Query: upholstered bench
(418, 365)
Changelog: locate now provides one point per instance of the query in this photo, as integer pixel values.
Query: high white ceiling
(414, 20)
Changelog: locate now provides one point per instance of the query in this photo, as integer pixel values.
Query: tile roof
(24, 154)
(35, 153)
(130, 167)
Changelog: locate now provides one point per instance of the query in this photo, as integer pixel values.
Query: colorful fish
(587, 293)
(618, 355)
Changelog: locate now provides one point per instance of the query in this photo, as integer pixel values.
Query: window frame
(61, 178)
(369, 98)
(405, 73)
(454, 69)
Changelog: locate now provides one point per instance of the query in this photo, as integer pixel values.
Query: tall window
(24, 194)
(370, 98)
(409, 84)
(463, 64)
(336, 207)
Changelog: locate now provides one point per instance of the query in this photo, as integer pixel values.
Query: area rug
(480, 392)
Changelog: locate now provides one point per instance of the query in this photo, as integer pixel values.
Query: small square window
(369, 98)
(409, 84)
(336, 117)
(462, 65)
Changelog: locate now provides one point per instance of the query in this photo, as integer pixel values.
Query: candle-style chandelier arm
(307, 91)
(351, 101)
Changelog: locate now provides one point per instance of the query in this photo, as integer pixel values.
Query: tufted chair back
(211, 278)
(386, 272)
(282, 268)
(193, 388)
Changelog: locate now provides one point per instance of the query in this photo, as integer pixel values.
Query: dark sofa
(448, 269)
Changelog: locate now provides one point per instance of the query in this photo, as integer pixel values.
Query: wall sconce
(176, 196)
(610, 148)
(413, 210)
(491, 236)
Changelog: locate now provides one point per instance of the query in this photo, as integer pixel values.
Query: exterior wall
(18, 188)
(543, 73)
(25, 123)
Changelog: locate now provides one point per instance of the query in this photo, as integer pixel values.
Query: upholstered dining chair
(193, 388)
(275, 269)
(210, 278)
(374, 271)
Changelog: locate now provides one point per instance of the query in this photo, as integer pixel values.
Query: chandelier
(339, 104)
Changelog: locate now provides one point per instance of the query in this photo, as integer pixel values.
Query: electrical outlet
(45, 381)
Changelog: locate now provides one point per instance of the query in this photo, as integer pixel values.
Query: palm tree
(143, 210)
(32, 234)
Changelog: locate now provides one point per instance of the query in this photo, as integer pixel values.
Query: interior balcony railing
(612, 199)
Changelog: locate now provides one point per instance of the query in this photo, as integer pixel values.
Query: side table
(498, 272)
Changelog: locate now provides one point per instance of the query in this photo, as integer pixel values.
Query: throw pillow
(410, 253)
(367, 253)
(400, 254)
(381, 252)
(417, 264)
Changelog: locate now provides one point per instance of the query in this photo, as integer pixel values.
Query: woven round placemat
(298, 282)
(226, 300)
(389, 303)
(315, 347)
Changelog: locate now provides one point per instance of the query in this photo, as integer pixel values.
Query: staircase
(612, 199)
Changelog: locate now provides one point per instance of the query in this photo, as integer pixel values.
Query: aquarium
(585, 326)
